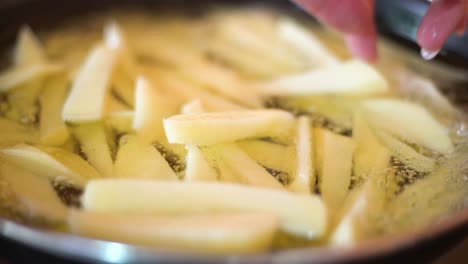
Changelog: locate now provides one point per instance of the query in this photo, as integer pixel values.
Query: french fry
(226, 174)
(189, 91)
(306, 43)
(304, 176)
(52, 163)
(17, 76)
(198, 168)
(338, 109)
(334, 154)
(93, 143)
(247, 38)
(214, 234)
(90, 87)
(125, 73)
(53, 130)
(222, 82)
(212, 128)
(242, 61)
(29, 62)
(28, 48)
(269, 154)
(360, 214)
(356, 78)
(302, 215)
(371, 157)
(35, 194)
(406, 120)
(407, 154)
(114, 38)
(121, 121)
(193, 107)
(137, 158)
(151, 107)
(246, 169)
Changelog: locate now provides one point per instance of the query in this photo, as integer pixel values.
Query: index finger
(349, 16)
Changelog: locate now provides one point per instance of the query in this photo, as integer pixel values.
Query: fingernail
(429, 55)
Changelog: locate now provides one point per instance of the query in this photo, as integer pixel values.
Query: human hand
(355, 19)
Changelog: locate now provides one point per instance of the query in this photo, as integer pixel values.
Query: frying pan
(23, 244)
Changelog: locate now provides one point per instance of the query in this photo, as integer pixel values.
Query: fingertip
(441, 20)
(351, 16)
(363, 46)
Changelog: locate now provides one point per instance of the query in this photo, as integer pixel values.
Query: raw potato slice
(35, 194)
(93, 142)
(246, 169)
(193, 107)
(12, 133)
(305, 42)
(360, 215)
(269, 154)
(198, 168)
(350, 78)
(28, 48)
(17, 76)
(214, 234)
(53, 130)
(302, 215)
(151, 107)
(51, 163)
(371, 157)
(86, 101)
(140, 159)
(407, 154)
(212, 128)
(334, 162)
(409, 122)
(304, 178)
